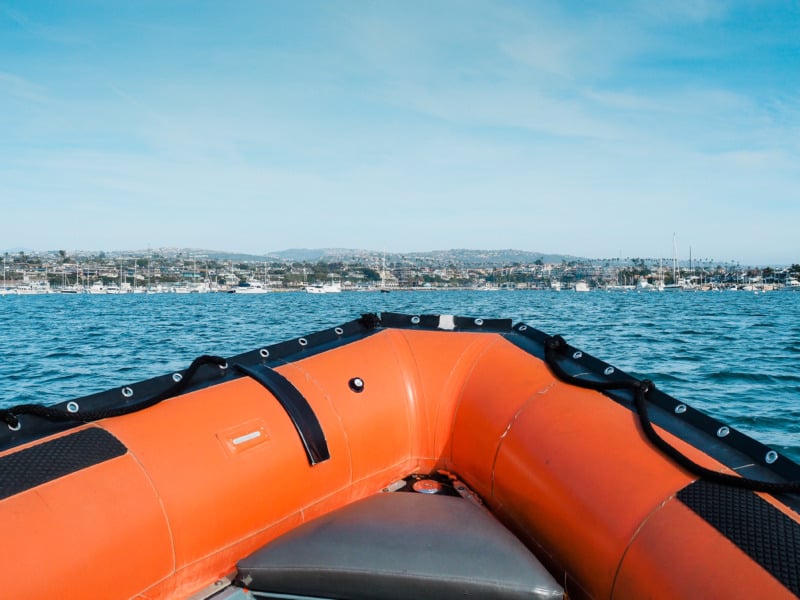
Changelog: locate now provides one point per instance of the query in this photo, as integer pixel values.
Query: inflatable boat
(394, 456)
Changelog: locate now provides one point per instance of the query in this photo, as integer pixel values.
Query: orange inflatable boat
(394, 456)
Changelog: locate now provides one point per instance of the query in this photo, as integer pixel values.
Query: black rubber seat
(397, 546)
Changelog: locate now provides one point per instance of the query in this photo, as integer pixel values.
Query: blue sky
(586, 128)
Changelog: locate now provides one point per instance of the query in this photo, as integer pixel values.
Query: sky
(597, 129)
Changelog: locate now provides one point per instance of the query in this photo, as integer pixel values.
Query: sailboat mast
(674, 260)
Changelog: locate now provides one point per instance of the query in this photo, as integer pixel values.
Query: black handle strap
(297, 407)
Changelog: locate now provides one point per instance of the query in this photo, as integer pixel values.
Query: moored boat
(333, 287)
(581, 286)
(394, 456)
(250, 287)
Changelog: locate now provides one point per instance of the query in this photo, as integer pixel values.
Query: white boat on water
(581, 286)
(29, 287)
(324, 288)
(96, 288)
(72, 289)
(791, 285)
(670, 287)
(644, 285)
(250, 287)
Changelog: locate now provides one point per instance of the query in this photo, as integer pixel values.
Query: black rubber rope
(10, 415)
(640, 391)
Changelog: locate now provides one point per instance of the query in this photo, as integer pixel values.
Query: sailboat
(675, 286)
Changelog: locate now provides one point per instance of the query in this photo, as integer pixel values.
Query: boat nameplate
(253, 435)
(243, 436)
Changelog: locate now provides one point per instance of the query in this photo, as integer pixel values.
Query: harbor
(184, 273)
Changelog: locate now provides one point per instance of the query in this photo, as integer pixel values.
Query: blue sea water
(733, 355)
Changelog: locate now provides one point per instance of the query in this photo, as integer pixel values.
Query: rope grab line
(54, 413)
(555, 344)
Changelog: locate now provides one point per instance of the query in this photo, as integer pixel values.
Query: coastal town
(189, 271)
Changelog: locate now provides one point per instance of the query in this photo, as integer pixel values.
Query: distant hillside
(459, 256)
(489, 257)
(318, 254)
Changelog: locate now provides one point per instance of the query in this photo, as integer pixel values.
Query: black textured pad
(45, 462)
(759, 529)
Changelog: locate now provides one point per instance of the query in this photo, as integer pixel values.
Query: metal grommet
(609, 370)
(72, 407)
(771, 457)
(16, 427)
(680, 409)
(224, 365)
(303, 342)
(415, 320)
(127, 392)
(478, 322)
(356, 384)
(338, 331)
(723, 431)
(578, 354)
(176, 377)
(264, 353)
(523, 327)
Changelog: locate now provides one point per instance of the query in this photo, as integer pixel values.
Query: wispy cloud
(34, 28)
(487, 116)
(12, 85)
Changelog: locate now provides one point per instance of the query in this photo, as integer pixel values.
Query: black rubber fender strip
(297, 407)
(755, 526)
(53, 459)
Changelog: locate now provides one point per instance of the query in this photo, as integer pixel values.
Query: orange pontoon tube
(393, 456)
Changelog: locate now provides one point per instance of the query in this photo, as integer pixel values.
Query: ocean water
(733, 355)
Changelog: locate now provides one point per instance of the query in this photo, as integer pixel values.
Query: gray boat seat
(394, 546)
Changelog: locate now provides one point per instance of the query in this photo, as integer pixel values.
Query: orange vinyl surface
(212, 475)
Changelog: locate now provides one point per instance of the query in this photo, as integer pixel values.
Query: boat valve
(356, 384)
